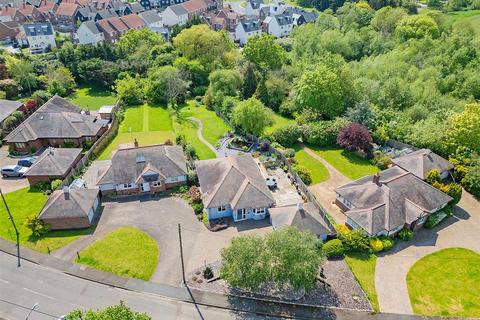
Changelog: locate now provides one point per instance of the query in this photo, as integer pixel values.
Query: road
(57, 293)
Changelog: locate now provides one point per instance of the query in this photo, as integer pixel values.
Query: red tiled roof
(103, 24)
(8, 11)
(46, 6)
(67, 9)
(26, 9)
(133, 21)
(193, 6)
(117, 24)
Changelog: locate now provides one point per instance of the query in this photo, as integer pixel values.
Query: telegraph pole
(181, 253)
(17, 234)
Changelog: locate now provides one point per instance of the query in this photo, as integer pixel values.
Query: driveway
(10, 184)
(461, 230)
(160, 218)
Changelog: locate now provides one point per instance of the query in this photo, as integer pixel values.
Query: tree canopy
(252, 116)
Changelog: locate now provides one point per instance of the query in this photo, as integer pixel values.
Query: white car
(13, 171)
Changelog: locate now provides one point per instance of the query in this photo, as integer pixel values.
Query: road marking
(4, 281)
(38, 293)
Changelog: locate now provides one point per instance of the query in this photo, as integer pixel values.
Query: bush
(180, 140)
(353, 240)
(87, 145)
(197, 208)
(471, 181)
(287, 135)
(303, 173)
(381, 160)
(41, 187)
(208, 273)
(205, 220)
(433, 176)
(380, 136)
(454, 190)
(334, 248)
(168, 142)
(37, 226)
(195, 195)
(323, 133)
(190, 151)
(55, 183)
(354, 137)
(376, 245)
(405, 234)
(192, 178)
(289, 153)
(387, 243)
(265, 145)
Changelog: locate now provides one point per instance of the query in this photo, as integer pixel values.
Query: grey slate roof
(420, 163)
(76, 205)
(178, 9)
(397, 198)
(305, 218)
(38, 29)
(284, 18)
(57, 118)
(7, 107)
(255, 4)
(236, 181)
(150, 16)
(54, 162)
(309, 16)
(105, 14)
(92, 26)
(87, 11)
(135, 7)
(250, 24)
(150, 163)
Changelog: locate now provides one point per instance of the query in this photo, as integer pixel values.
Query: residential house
(422, 161)
(175, 15)
(35, 3)
(56, 123)
(271, 9)
(13, 14)
(305, 216)
(133, 21)
(233, 187)
(6, 3)
(146, 169)
(134, 7)
(195, 8)
(301, 16)
(31, 13)
(279, 25)
(119, 25)
(118, 6)
(247, 28)
(158, 4)
(7, 107)
(109, 33)
(48, 8)
(86, 13)
(89, 33)
(152, 19)
(70, 208)
(253, 8)
(8, 33)
(385, 203)
(225, 19)
(66, 13)
(53, 163)
(40, 36)
(105, 14)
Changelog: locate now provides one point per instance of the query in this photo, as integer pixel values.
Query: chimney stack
(66, 193)
(135, 143)
(51, 150)
(376, 179)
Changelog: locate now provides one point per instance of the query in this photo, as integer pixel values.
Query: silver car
(13, 171)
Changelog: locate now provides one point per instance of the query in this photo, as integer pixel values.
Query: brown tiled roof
(105, 26)
(133, 21)
(8, 11)
(46, 6)
(27, 9)
(117, 24)
(193, 6)
(67, 9)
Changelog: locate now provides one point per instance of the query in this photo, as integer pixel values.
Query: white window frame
(222, 208)
(88, 138)
(20, 145)
(259, 211)
(127, 185)
(157, 183)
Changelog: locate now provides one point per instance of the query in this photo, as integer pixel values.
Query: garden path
(392, 267)
(200, 135)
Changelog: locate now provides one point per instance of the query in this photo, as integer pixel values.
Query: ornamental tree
(264, 52)
(354, 137)
(118, 312)
(252, 116)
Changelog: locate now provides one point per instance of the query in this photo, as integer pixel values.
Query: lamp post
(17, 234)
(31, 310)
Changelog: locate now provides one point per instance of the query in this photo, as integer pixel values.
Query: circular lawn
(126, 251)
(446, 283)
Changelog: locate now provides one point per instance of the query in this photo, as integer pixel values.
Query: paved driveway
(461, 230)
(10, 184)
(160, 218)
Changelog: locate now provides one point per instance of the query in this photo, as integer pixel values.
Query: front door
(145, 187)
(241, 214)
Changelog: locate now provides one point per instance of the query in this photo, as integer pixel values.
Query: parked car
(13, 171)
(26, 162)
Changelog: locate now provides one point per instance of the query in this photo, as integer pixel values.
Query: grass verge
(317, 170)
(92, 98)
(363, 268)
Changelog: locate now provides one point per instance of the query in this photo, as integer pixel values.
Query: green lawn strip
(363, 268)
(159, 118)
(143, 138)
(446, 283)
(133, 121)
(189, 130)
(126, 251)
(280, 121)
(317, 170)
(348, 163)
(92, 98)
(24, 203)
(213, 126)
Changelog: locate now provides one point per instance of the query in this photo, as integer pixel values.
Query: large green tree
(264, 52)
(417, 27)
(223, 83)
(165, 85)
(129, 89)
(118, 312)
(465, 128)
(252, 116)
(135, 38)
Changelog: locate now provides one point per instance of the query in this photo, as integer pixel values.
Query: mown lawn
(24, 203)
(317, 170)
(127, 252)
(92, 98)
(472, 16)
(363, 268)
(446, 283)
(148, 124)
(348, 163)
(280, 121)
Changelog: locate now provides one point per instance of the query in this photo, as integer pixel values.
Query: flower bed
(240, 143)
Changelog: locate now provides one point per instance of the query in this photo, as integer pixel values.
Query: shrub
(289, 153)
(180, 140)
(287, 135)
(454, 190)
(190, 151)
(265, 145)
(303, 173)
(334, 248)
(37, 226)
(433, 176)
(387, 243)
(208, 273)
(205, 220)
(192, 178)
(376, 245)
(354, 137)
(55, 183)
(381, 160)
(354, 240)
(471, 181)
(87, 145)
(380, 136)
(197, 208)
(405, 234)
(323, 133)
(41, 187)
(195, 195)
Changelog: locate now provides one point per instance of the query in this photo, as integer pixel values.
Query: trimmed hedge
(334, 248)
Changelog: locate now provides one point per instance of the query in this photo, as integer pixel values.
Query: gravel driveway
(10, 184)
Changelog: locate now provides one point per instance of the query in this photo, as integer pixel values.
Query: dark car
(26, 162)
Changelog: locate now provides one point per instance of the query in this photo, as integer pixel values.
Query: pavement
(461, 230)
(10, 184)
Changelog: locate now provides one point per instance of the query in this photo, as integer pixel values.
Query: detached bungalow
(7, 107)
(422, 161)
(53, 164)
(70, 208)
(233, 187)
(388, 201)
(144, 170)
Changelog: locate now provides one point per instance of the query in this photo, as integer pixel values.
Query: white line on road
(4, 281)
(38, 293)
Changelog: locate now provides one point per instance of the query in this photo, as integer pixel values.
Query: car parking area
(12, 183)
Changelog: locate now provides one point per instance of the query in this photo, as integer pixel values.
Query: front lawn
(317, 170)
(446, 283)
(363, 268)
(280, 121)
(24, 203)
(189, 130)
(127, 252)
(348, 163)
(92, 98)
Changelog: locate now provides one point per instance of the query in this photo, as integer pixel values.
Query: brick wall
(67, 223)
